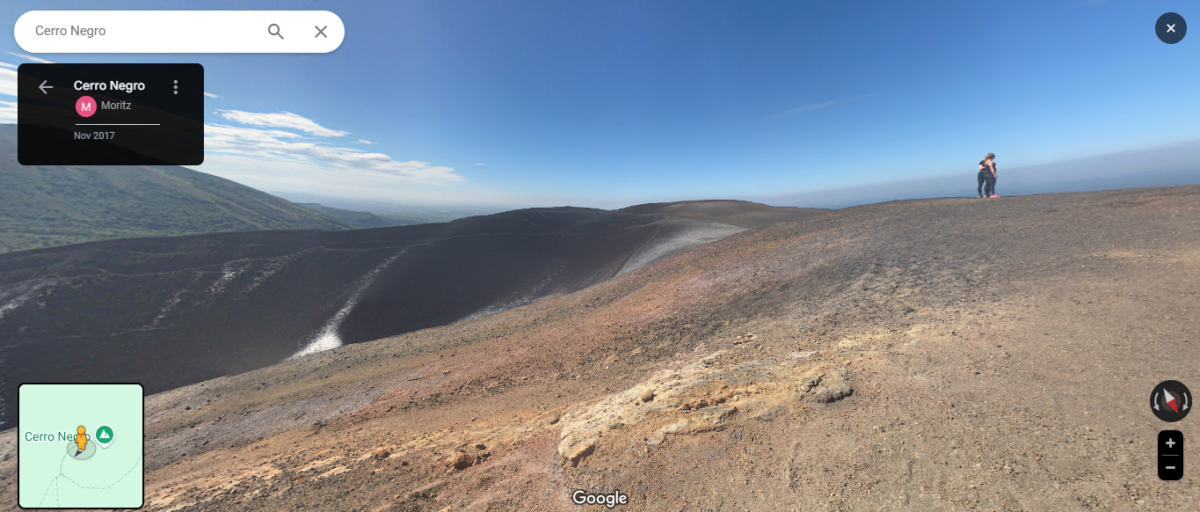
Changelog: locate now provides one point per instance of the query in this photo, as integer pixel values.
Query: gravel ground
(997, 355)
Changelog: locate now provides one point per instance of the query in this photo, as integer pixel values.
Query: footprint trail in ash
(327, 338)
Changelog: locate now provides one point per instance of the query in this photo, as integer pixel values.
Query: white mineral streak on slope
(269, 268)
(656, 248)
(13, 298)
(538, 290)
(696, 234)
(228, 272)
(327, 338)
(168, 306)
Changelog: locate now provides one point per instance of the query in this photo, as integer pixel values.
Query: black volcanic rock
(172, 311)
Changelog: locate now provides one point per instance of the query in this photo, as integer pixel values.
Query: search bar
(179, 31)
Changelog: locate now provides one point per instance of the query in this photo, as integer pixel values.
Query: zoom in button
(1170, 455)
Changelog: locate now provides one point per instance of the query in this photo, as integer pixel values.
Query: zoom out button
(1170, 455)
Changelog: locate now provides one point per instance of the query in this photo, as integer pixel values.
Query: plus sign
(1170, 443)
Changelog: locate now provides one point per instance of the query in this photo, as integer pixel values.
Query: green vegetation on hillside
(43, 206)
(356, 220)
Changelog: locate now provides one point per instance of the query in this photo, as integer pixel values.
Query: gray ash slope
(172, 311)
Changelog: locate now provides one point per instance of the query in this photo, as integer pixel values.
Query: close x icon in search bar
(179, 31)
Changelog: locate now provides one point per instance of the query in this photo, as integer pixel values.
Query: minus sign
(1170, 467)
(117, 124)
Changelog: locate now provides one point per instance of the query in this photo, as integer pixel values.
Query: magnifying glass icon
(273, 29)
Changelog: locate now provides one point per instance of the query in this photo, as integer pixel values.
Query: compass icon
(1171, 401)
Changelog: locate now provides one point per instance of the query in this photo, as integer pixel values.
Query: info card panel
(110, 114)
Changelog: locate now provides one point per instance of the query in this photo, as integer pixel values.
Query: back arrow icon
(43, 87)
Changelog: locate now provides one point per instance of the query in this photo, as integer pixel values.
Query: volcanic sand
(950, 354)
(168, 312)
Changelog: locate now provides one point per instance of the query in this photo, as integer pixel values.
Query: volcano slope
(922, 355)
(168, 312)
(55, 205)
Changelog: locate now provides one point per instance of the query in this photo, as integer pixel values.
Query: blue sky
(614, 103)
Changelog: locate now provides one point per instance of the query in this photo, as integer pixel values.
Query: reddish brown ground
(1001, 354)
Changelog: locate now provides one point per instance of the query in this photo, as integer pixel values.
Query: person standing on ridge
(987, 176)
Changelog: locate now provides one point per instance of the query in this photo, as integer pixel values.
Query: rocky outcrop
(704, 394)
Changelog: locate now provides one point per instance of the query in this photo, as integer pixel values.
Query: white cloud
(365, 141)
(477, 164)
(7, 65)
(8, 81)
(30, 57)
(284, 152)
(280, 120)
(210, 95)
(8, 112)
(813, 106)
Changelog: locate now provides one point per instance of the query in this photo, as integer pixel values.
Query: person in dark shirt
(987, 176)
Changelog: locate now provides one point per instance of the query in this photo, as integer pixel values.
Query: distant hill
(358, 220)
(44, 206)
(398, 214)
(738, 213)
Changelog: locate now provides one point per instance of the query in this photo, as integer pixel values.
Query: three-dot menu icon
(110, 114)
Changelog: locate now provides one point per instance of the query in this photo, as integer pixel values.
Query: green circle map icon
(104, 436)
